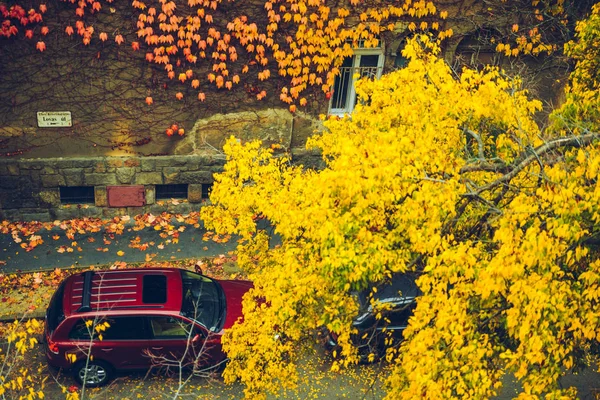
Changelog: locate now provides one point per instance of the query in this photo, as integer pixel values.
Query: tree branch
(479, 143)
(525, 160)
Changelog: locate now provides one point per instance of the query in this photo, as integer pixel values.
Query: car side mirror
(199, 267)
(196, 338)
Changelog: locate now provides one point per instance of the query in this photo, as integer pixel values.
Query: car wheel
(92, 373)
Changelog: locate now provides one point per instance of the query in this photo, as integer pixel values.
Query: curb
(24, 317)
(81, 268)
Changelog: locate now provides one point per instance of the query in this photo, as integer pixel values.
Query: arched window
(399, 60)
(477, 49)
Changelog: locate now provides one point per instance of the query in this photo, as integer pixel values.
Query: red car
(99, 322)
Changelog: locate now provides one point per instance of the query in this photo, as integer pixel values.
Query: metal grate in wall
(206, 189)
(76, 194)
(174, 191)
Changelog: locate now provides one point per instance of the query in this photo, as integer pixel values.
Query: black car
(399, 296)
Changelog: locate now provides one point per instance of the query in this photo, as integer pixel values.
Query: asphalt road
(101, 248)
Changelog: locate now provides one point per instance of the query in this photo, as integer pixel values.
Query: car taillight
(52, 346)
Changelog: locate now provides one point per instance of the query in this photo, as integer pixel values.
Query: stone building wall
(117, 139)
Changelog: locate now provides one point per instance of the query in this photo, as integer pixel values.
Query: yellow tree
(453, 180)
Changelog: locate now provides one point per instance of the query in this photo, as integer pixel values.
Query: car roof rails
(86, 296)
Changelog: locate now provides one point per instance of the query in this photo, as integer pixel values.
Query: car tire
(92, 373)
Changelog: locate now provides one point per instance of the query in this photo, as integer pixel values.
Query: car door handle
(106, 350)
(157, 348)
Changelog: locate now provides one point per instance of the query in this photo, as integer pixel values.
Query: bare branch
(479, 143)
(526, 159)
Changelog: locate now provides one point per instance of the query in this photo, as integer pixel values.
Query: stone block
(148, 178)
(100, 196)
(27, 200)
(125, 175)
(303, 128)
(32, 164)
(10, 214)
(186, 146)
(13, 169)
(135, 210)
(156, 209)
(10, 182)
(36, 179)
(198, 162)
(73, 176)
(50, 197)
(170, 161)
(181, 208)
(194, 164)
(148, 164)
(100, 179)
(114, 162)
(113, 212)
(271, 126)
(48, 170)
(65, 213)
(310, 159)
(195, 192)
(171, 174)
(43, 216)
(80, 163)
(150, 194)
(91, 211)
(100, 167)
(215, 168)
(132, 162)
(54, 163)
(53, 180)
(196, 177)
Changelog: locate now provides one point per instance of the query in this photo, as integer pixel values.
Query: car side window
(111, 328)
(171, 328)
(399, 317)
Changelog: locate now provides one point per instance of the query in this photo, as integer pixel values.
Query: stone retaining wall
(30, 188)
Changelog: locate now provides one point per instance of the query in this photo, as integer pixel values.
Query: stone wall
(30, 188)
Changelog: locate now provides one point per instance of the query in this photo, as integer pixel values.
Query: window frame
(474, 46)
(185, 323)
(350, 102)
(80, 322)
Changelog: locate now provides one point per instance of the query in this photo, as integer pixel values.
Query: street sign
(54, 119)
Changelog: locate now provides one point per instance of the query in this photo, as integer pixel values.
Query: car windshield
(201, 300)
